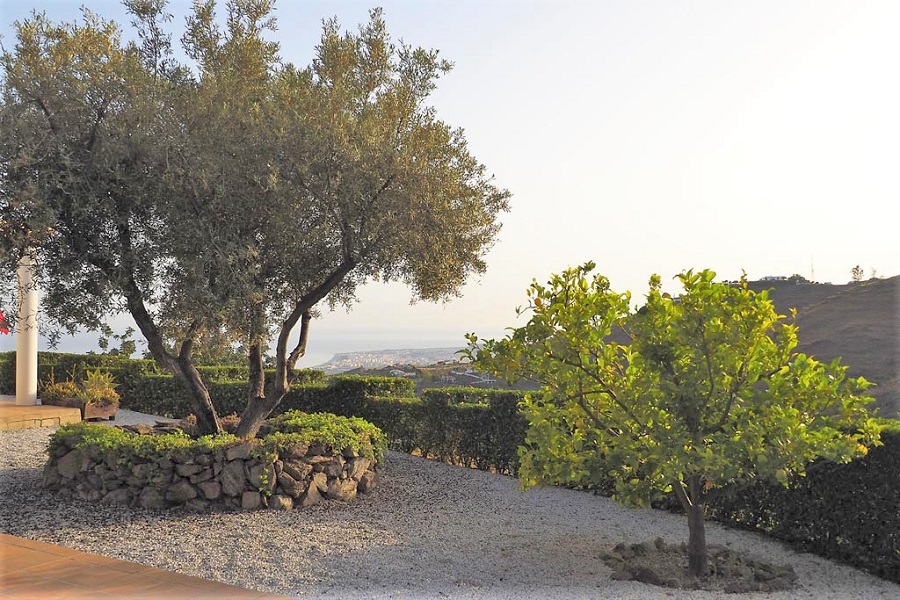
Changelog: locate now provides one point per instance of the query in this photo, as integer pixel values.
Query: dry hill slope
(860, 325)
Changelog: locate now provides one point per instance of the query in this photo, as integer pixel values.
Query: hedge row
(128, 372)
(846, 512)
(59, 366)
(470, 427)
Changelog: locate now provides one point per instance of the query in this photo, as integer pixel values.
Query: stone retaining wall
(300, 475)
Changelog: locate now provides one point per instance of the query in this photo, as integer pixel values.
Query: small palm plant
(97, 389)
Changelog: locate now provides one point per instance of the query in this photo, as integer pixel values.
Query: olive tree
(706, 392)
(233, 197)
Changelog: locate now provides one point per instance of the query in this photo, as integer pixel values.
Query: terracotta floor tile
(45, 589)
(23, 559)
(18, 578)
(38, 571)
(128, 567)
(57, 569)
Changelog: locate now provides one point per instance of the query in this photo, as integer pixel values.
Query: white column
(27, 334)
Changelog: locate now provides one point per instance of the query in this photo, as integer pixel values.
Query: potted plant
(95, 396)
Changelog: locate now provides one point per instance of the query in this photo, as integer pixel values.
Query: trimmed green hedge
(465, 426)
(473, 427)
(845, 512)
(60, 366)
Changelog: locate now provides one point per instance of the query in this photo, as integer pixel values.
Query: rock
(139, 428)
(366, 482)
(210, 489)
(262, 477)
(94, 481)
(318, 450)
(320, 480)
(349, 453)
(357, 467)
(196, 505)
(162, 479)
(165, 464)
(217, 467)
(70, 465)
(251, 500)
(183, 456)
(113, 484)
(51, 475)
(181, 492)
(642, 549)
(297, 469)
(279, 467)
(186, 470)
(111, 459)
(311, 497)
(240, 451)
(295, 450)
(91, 495)
(234, 478)
(341, 490)
(203, 459)
(331, 469)
(291, 486)
(204, 475)
(151, 498)
(280, 502)
(119, 497)
(141, 471)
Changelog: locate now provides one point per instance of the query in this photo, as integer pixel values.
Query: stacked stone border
(298, 475)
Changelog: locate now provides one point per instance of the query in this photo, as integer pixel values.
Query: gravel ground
(429, 531)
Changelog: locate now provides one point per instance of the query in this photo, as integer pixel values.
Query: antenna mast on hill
(812, 270)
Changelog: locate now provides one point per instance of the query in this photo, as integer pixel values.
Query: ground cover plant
(227, 199)
(707, 392)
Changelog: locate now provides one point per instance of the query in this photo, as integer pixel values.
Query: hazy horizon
(649, 137)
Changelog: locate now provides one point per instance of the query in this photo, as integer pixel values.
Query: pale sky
(649, 137)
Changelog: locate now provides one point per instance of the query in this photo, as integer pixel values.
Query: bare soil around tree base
(658, 563)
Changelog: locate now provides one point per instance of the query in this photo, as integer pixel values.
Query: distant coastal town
(377, 359)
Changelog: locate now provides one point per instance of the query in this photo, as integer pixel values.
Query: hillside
(857, 322)
(787, 295)
(859, 325)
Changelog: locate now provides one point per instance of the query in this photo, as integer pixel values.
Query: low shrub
(329, 430)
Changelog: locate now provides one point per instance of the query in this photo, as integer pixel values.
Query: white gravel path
(429, 531)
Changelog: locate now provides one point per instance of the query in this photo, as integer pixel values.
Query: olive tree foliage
(707, 392)
(231, 198)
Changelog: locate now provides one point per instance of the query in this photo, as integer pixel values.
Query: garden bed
(302, 460)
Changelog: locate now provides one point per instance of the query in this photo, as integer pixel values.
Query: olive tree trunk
(181, 367)
(260, 404)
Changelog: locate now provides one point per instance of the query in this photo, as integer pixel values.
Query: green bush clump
(327, 429)
(127, 445)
